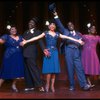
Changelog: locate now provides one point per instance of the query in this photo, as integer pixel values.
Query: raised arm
(58, 22)
(70, 38)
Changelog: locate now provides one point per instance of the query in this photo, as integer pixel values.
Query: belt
(72, 45)
(51, 47)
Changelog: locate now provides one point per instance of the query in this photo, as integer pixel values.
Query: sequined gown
(13, 63)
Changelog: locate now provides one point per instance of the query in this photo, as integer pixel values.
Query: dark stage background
(19, 12)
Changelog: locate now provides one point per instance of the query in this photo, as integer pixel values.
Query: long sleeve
(41, 43)
(60, 26)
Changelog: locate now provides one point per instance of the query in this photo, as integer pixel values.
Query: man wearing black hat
(32, 74)
(72, 52)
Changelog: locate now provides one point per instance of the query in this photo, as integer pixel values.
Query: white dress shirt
(73, 32)
(32, 30)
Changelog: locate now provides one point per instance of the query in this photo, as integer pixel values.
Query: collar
(73, 32)
(32, 30)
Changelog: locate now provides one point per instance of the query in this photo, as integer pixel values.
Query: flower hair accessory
(47, 23)
(89, 25)
(8, 27)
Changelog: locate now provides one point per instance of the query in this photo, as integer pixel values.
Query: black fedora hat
(52, 7)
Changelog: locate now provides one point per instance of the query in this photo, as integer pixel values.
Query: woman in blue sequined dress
(13, 64)
(51, 63)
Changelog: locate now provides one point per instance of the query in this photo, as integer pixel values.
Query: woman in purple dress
(13, 63)
(90, 59)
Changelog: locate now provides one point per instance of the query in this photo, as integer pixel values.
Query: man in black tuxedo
(32, 74)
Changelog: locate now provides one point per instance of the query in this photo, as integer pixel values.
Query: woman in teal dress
(51, 63)
(13, 64)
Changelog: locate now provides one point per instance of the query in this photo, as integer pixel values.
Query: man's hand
(55, 14)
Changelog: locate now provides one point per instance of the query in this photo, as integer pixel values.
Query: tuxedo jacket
(67, 42)
(30, 49)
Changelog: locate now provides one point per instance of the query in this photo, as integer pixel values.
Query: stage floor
(62, 92)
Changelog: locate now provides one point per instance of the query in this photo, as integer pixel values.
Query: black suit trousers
(32, 73)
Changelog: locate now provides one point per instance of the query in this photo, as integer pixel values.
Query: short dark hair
(35, 19)
(52, 21)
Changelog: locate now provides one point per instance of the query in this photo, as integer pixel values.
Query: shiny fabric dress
(13, 63)
(90, 59)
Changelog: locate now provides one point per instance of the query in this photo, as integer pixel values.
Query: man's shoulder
(38, 31)
(26, 31)
(78, 32)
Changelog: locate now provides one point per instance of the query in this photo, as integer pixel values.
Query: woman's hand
(23, 42)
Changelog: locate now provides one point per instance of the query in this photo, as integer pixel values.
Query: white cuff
(56, 17)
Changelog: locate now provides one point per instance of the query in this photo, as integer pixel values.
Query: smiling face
(13, 31)
(52, 26)
(31, 24)
(70, 26)
(92, 30)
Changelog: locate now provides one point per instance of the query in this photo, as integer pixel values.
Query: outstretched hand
(81, 42)
(23, 42)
